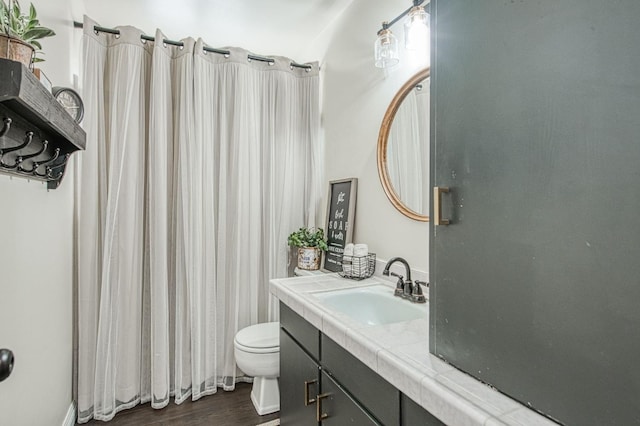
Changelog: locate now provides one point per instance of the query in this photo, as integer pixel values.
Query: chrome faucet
(405, 289)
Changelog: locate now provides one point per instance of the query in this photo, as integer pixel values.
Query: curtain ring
(226, 55)
(248, 59)
(182, 47)
(117, 36)
(95, 31)
(271, 63)
(164, 44)
(142, 40)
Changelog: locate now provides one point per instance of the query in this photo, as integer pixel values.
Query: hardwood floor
(223, 408)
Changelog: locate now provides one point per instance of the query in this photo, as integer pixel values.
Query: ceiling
(268, 27)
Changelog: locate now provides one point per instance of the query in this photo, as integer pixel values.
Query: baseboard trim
(70, 418)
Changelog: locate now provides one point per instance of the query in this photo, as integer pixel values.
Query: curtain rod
(226, 53)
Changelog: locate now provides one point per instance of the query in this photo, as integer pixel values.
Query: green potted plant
(20, 32)
(311, 243)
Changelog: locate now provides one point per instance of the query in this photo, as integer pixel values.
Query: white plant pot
(309, 258)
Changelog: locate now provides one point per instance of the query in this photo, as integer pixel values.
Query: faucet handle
(416, 294)
(400, 277)
(399, 284)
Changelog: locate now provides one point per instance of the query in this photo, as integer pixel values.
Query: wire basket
(358, 267)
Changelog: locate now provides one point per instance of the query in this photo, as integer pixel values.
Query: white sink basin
(372, 305)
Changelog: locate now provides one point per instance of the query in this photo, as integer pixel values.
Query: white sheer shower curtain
(197, 168)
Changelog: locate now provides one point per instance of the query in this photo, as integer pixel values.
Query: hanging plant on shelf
(311, 243)
(20, 32)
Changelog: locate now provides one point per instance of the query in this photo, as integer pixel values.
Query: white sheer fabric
(408, 150)
(197, 168)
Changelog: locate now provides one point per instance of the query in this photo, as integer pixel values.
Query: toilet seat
(259, 338)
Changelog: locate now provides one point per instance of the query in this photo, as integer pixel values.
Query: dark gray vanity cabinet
(309, 394)
(323, 384)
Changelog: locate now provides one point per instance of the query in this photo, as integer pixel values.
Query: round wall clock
(70, 101)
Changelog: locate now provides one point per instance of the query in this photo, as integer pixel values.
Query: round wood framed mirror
(403, 148)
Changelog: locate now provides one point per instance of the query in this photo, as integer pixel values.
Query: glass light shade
(416, 29)
(386, 49)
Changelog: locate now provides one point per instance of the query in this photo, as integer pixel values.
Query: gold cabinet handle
(437, 205)
(319, 414)
(308, 401)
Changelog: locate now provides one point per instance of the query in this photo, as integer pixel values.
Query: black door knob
(6, 363)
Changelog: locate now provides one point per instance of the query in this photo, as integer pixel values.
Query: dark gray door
(535, 284)
(299, 379)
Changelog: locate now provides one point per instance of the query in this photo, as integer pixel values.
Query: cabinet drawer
(372, 391)
(413, 414)
(302, 331)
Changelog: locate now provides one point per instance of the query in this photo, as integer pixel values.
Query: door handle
(308, 401)
(319, 414)
(437, 205)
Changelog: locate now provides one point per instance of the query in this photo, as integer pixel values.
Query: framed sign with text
(341, 210)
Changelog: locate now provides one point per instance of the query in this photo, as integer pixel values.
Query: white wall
(36, 266)
(356, 97)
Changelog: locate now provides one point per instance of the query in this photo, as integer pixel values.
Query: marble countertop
(399, 352)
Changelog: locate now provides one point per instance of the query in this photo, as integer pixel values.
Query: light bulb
(416, 29)
(386, 49)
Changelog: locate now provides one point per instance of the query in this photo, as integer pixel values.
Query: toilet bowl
(257, 352)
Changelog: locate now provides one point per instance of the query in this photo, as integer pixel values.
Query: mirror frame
(383, 137)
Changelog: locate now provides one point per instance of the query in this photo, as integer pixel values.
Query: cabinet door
(369, 388)
(339, 408)
(298, 384)
(414, 415)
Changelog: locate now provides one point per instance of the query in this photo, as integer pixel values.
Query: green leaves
(308, 237)
(25, 27)
(36, 33)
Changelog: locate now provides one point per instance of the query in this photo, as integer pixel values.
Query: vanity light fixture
(386, 48)
(416, 30)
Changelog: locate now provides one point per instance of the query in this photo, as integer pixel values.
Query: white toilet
(257, 351)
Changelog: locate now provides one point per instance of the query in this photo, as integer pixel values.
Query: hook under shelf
(21, 158)
(50, 169)
(5, 128)
(27, 140)
(37, 164)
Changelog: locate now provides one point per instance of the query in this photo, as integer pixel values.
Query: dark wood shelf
(31, 108)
